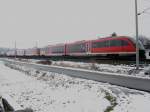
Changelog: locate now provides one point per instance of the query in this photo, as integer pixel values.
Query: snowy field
(51, 92)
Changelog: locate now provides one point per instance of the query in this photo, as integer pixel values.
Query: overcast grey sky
(60, 21)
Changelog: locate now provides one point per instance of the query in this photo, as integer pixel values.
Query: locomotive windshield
(141, 47)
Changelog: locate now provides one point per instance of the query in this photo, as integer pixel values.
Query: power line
(147, 0)
(144, 11)
(147, 13)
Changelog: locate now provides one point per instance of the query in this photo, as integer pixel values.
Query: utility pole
(36, 44)
(15, 50)
(137, 39)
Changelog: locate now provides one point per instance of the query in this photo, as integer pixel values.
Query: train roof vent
(114, 34)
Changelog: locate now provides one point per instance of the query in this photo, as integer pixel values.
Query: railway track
(96, 59)
(112, 78)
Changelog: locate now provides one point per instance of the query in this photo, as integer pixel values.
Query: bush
(47, 62)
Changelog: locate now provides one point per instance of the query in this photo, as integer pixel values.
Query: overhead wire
(144, 11)
(147, 0)
(148, 13)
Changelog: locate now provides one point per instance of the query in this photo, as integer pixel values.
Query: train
(112, 46)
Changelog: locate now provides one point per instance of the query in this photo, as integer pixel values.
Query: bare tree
(145, 41)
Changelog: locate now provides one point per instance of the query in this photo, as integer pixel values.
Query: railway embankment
(117, 98)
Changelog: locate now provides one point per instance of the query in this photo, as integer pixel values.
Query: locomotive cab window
(116, 43)
(124, 43)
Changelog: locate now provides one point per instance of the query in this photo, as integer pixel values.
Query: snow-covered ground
(110, 68)
(51, 92)
(122, 69)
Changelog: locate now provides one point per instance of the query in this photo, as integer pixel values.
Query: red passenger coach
(79, 48)
(11, 52)
(20, 52)
(113, 45)
(57, 50)
(44, 51)
(32, 52)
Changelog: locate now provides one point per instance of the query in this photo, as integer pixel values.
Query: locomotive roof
(114, 37)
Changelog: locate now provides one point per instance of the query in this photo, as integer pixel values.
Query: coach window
(83, 47)
(94, 45)
(59, 49)
(98, 44)
(77, 48)
(124, 43)
(103, 44)
(107, 43)
(70, 48)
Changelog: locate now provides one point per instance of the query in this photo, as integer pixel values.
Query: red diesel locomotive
(113, 45)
